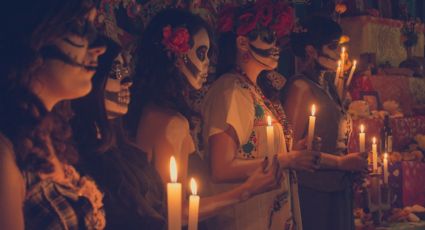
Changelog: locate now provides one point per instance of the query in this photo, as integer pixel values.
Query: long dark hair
(157, 79)
(122, 170)
(28, 27)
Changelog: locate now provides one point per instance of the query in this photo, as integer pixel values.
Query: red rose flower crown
(263, 14)
(175, 41)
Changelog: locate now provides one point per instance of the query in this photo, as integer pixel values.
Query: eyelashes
(72, 43)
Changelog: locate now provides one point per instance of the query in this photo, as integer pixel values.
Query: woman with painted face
(325, 195)
(133, 191)
(236, 115)
(47, 57)
(174, 57)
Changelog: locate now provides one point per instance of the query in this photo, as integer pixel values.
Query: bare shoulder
(6, 151)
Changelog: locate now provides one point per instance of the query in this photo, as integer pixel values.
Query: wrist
(285, 160)
(339, 161)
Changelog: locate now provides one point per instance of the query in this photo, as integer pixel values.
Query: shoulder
(229, 82)
(7, 155)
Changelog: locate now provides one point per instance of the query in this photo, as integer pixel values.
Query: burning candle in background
(270, 137)
(193, 206)
(385, 168)
(353, 68)
(362, 139)
(374, 155)
(174, 198)
(311, 127)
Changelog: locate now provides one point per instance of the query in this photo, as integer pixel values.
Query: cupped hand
(353, 162)
(267, 177)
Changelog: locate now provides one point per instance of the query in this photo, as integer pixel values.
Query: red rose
(265, 10)
(176, 40)
(284, 23)
(248, 22)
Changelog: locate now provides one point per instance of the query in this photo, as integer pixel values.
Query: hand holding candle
(362, 138)
(174, 198)
(311, 127)
(374, 155)
(193, 206)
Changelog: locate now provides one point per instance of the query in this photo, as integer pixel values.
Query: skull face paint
(117, 90)
(264, 49)
(328, 56)
(196, 61)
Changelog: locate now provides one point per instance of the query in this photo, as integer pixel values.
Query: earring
(185, 59)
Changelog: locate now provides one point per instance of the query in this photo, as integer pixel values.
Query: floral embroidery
(250, 146)
(259, 111)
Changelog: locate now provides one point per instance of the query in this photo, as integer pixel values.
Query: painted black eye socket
(333, 45)
(201, 52)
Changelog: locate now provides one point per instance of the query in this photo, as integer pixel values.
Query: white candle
(311, 126)
(385, 168)
(353, 68)
(374, 155)
(390, 143)
(362, 138)
(270, 137)
(342, 62)
(338, 70)
(193, 206)
(174, 198)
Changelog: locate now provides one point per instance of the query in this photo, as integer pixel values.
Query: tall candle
(311, 126)
(374, 155)
(270, 137)
(174, 198)
(353, 68)
(362, 138)
(193, 206)
(342, 63)
(385, 168)
(338, 70)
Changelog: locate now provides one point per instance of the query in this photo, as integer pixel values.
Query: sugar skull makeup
(117, 91)
(196, 60)
(264, 49)
(328, 56)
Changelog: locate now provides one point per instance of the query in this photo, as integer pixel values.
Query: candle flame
(193, 186)
(354, 63)
(362, 128)
(269, 121)
(343, 49)
(173, 169)
(374, 140)
(313, 110)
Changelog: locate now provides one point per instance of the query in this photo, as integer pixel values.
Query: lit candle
(193, 206)
(362, 138)
(174, 198)
(270, 137)
(385, 168)
(353, 68)
(311, 126)
(338, 70)
(342, 62)
(374, 155)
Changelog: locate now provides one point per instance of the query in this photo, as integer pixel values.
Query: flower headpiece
(175, 40)
(276, 16)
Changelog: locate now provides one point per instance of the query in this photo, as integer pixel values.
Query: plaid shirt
(49, 205)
